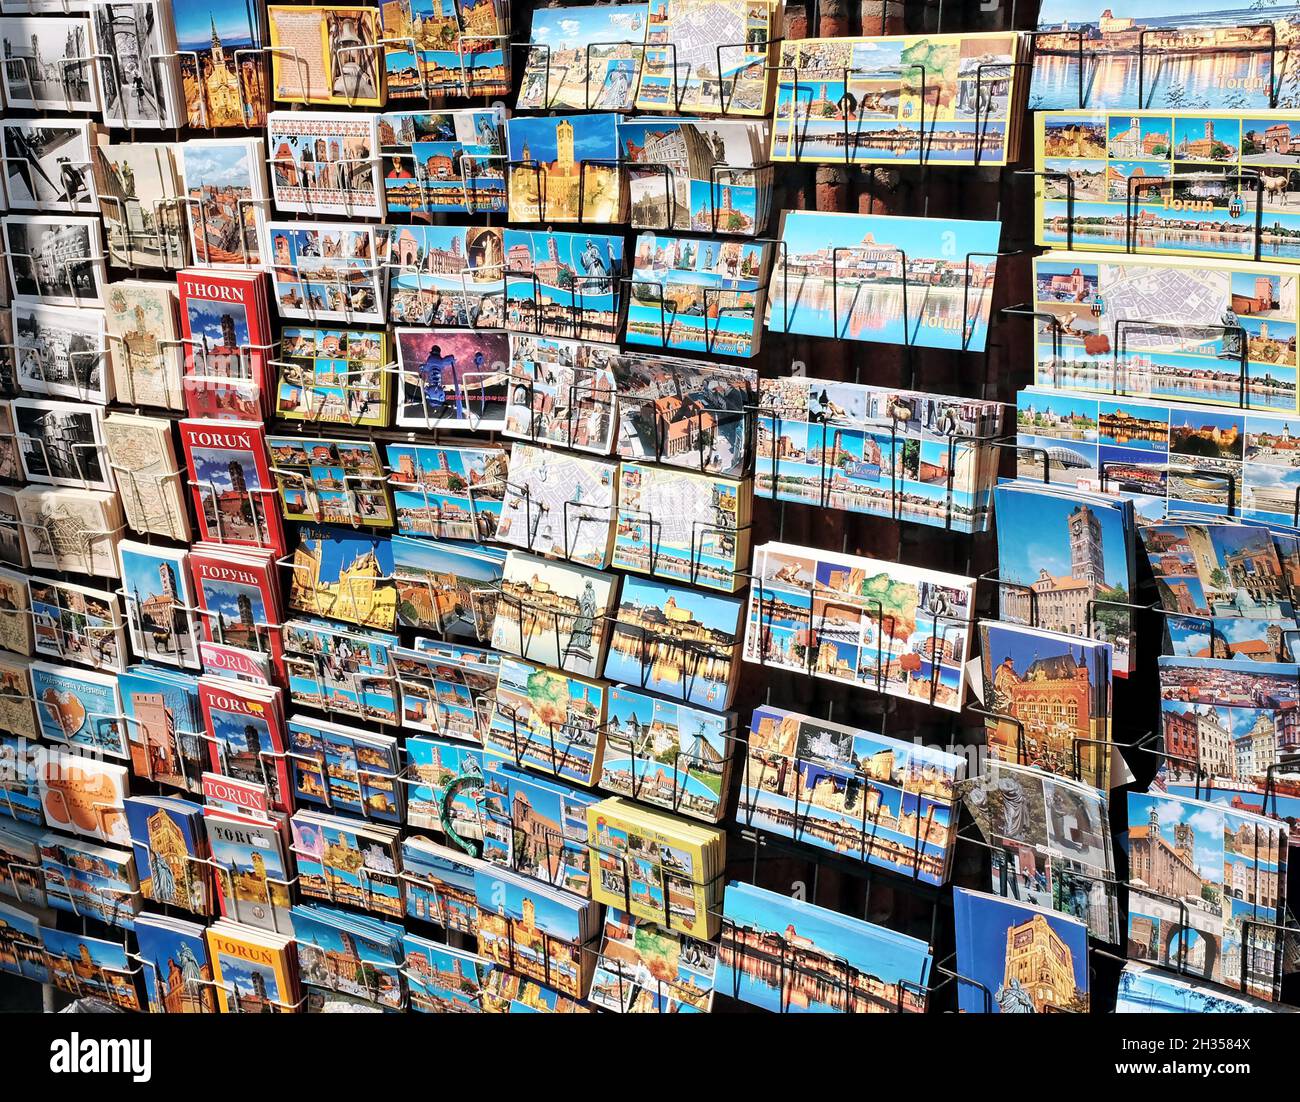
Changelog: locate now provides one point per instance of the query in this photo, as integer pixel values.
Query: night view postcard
(1212, 183)
(1163, 53)
(864, 277)
(871, 100)
(1171, 328)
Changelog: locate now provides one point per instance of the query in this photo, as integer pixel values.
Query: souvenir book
(246, 735)
(344, 575)
(236, 663)
(62, 443)
(76, 530)
(452, 379)
(1049, 837)
(667, 753)
(864, 277)
(239, 601)
(231, 483)
(563, 284)
(329, 55)
(943, 99)
(446, 276)
(332, 480)
(224, 182)
(895, 629)
(710, 56)
(345, 769)
(135, 90)
(16, 625)
(255, 971)
(1167, 328)
(448, 586)
(144, 350)
(341, 671)
(794, 957)
(82, 795)
(708, 175)
(548, 721)
(223, 71)
(584, 58)
(150, 482)
(49, 164)
(334, 377)
(684, 413)
(903, 454)
(536, 931)
(555, 614)
(448, 691)
(444, 162)
(1201, 877)
(253, 877)
(17, 717)
(90, 881)
(564, 168)
(326, 271)
(559, 504)
(75, 623)
(649, 969)
(1078, 572)
(441, 979)
(85, 966)
(561, 392)
(446, 48)
(61, 351)
(1224, 723)
(1147, 990)
(537, 827)
(697, 295)
(1017, 958)
(343, 860)
(159, 604)
(170, 846)
(143, 205)
(164, 726)
(243, 797)
(177, 973)
(884, 801)
(22, 952)
(682, 526)
(447, 492)
(55, 259)
(656, 866)
(506, 992)
(1165, 54)
(226, 336)
(440, 884)
(1050, 699)
(348, 963)
(48, 66)
(79, 708)
(325, 162)
(432, 765)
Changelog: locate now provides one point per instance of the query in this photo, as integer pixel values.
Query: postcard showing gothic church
(223, 70)
(340, 574)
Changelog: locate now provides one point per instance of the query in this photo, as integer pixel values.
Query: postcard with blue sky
(21, 947)
(441, 979)
(177, 975)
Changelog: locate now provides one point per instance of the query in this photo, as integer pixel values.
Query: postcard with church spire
(223, 70)
(344, 575)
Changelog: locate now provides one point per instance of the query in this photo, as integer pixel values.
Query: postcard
(440, 884)
(446, 276)
(446, 689)
(44, 72)
(450, 586)
(563, 284)
(1018, 959)
(57, 260)
(344, 575)
(49, 165)
(18, 717)
(326, 271)
(325, 936)
(564, 168)
(177, 974)
(446, 492)
(144, 350)
(791, 956)
(150, 482)
(223, 70)
(345, 769)
(442, 979)
(434, 765)
(584, 58)
(446, 48)
(82, 966)
(1147, 990)
(338, 671)
(647, 969)
(561, 392)
(62, 443)
(560, 505)
(168, 840)
(22, 951)
(73, 530)
(909, 281)
(334, 376)
(325, 163)
(342, 860)
(452, 378)
(160, 604)
(329, 480)
(224, 183)
(134, 89)
(77, 624)
(90, 881)
(326, 55)
(79, 793)
(164, 726)
(444, 162)
(61, 351)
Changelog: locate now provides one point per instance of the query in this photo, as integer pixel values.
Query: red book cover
(230, 478)
(246, 729)
(240, 604)
(224, 327)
